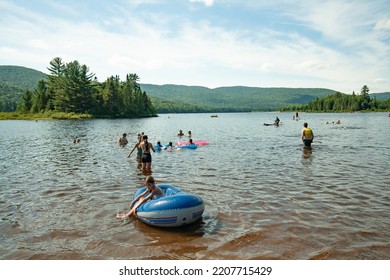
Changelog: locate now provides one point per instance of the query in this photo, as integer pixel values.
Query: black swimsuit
(146, 157)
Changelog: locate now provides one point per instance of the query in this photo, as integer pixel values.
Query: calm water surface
(265, 198)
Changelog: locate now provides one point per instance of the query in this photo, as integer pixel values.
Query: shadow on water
(307, 152)
(171, 243)
(166, 235)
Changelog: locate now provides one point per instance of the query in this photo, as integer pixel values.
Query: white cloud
(204, 52)
(312, 65)
(383, 24)
(207, 3)
(380, 80)
(265, 67)
(38, 44)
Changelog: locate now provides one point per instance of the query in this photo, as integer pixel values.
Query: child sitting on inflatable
(154, 192)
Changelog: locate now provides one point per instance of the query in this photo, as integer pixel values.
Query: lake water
(265, 197)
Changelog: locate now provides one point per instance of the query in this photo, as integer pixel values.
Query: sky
(335, 44)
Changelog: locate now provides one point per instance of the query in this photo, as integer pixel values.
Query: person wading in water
(146, 156)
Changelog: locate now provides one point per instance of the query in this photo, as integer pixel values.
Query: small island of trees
(340, 102)
(71, 90)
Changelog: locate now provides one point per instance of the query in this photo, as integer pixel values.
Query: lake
(265, 197)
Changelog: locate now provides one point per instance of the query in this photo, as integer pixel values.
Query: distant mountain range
(173, 98)
(235, 98)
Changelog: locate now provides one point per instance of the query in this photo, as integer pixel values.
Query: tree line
(340, 102)
(7, 103)
(71, 88)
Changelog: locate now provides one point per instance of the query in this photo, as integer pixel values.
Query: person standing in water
(307, 136)
(123, 140)
(137, 146)
(146, 155)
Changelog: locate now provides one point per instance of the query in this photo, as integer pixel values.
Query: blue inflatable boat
(189, 146)
(174, 209)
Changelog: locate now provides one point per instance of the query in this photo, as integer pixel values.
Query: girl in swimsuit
(146, 156)
(154, 192)
(137, 146)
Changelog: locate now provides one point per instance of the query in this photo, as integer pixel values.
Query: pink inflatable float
(199, 142)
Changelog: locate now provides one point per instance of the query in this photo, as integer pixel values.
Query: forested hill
(20, 77)
(179, 98)
(381, 96)
(236, 98)
(13, 81)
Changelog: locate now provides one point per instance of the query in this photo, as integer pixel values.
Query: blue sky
(336, 44)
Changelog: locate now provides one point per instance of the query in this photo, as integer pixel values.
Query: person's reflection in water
(307, 152)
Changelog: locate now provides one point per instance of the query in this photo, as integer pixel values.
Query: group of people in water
(338, 122)
(180, 133)
(144, 149)
(307, 133)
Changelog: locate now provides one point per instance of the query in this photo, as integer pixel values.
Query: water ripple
(265, 197)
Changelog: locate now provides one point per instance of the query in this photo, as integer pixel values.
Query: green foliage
(232, 99)
(70, 87)
(124, 99)
(48, 115)
(340, 102)
(164, 106)
(39, 98)
(26, 103)
(70, 90)
(381, 96)
(21, 77)
(14, 80)
(9, 96)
